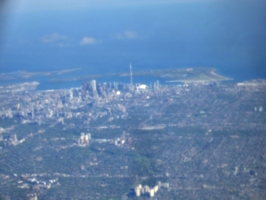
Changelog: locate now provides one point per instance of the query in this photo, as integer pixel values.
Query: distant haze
(105, 36)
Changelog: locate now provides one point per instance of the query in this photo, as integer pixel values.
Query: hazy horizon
(107, 36)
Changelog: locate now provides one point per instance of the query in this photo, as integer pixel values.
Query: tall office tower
(115, 85)
(93, 88)
(81, 138)
(93, 85)
(152, 192)
(15, 139)
(131, 74)
(158, 84)
(138, 190)
(86, 139)
(84, 86)
(71, 94)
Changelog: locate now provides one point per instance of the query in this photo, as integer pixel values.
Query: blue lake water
(208, 34)
(238, 75)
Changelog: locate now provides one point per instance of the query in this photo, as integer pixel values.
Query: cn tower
(131, 74)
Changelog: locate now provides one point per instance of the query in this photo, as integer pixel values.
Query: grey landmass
(190, 140)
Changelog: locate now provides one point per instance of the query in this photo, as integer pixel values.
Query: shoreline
(203, 78)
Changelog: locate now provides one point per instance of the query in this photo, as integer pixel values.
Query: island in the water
(183, 75)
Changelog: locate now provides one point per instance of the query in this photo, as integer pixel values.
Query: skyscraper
(93, 88)
(93, 85)
(71, 94)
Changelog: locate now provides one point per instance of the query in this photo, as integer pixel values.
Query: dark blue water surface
(222, 35)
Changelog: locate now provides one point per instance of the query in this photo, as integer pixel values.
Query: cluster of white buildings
(13, 140)
(260, 108)
(139, 190)
(84, 139)
(146, 190)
